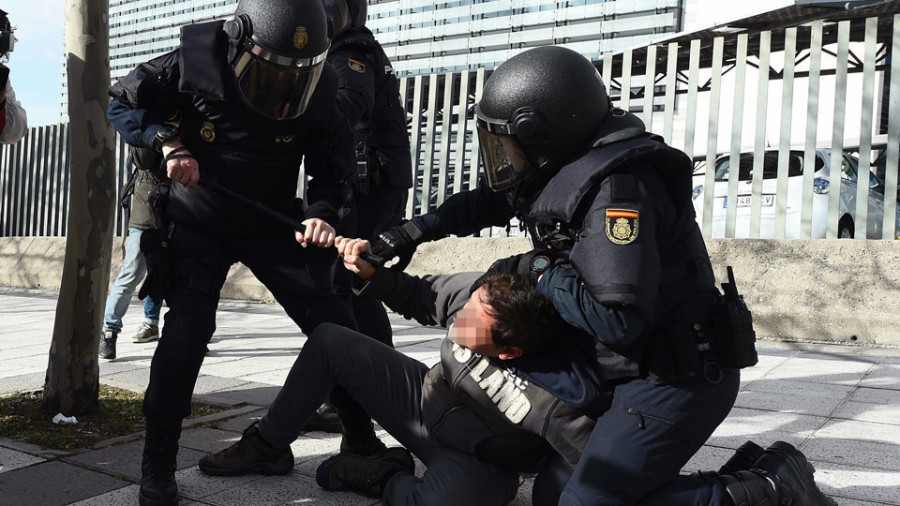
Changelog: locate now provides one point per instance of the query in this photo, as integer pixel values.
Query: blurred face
(472, 327)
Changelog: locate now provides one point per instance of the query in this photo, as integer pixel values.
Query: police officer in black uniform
(242, 103)
(369, 95)
(612, 201)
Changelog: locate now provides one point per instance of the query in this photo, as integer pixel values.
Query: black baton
(210, 182)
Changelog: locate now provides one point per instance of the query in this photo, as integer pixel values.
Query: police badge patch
(301, 38)
(356, 65)
(621, 225)
(208, 131)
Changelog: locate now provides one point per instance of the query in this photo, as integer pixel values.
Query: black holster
(690, 350)
(156, 248)
(736, 339)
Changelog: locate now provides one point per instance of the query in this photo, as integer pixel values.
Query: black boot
(781, 476)
(794, 475)
(357, 428)
(252, 454)
(365, 475)
(158, 487)
(744, 458)
(749, 488)
(325, 419)
(362, 442)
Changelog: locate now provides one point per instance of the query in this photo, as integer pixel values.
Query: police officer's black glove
(398, 242)
(530, 265)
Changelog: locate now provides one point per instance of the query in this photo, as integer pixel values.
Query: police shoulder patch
(622, 225)
(356, 65)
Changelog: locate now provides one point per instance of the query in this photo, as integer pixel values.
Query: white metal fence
(797, 110)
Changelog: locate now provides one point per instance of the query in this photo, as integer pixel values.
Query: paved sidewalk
(840, 405)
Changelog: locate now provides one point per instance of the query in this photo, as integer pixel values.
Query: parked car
(821, 189)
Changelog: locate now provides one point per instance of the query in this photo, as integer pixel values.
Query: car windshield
(770, 166)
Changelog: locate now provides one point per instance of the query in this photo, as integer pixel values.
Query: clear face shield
(276, 86)
(504, 161)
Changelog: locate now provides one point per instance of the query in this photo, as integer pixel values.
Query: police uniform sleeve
(466, 213)
(612, 289)
(332, 157)
(145, 98)
(356, 83)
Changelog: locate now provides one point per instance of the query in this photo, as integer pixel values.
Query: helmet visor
(504, 161)
(278, 90)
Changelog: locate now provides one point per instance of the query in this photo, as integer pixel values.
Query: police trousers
(299, 278)
(640, 445)
(388, 384)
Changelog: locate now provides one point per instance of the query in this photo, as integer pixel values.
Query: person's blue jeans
(134, 269)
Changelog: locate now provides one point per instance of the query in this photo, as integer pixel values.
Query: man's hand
(318, 233)
(350, 250)
(400, 242)
(181, 166)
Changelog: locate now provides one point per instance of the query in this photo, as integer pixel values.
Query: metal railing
(827, 97)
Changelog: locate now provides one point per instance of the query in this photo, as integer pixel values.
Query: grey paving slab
(843, 369)
(864, 444)
(195, 485)
(243, 393)
(54, 483)
(22, 382)
(207, 440)
(125, 459)
(241, 367)
(207, 384)
(132, 379)
(793, 396)
(291, 489)
(239, 423)
(275, 377)
(867, 412)
(120, 497)
(884, 375)
(849, 483)
(11, 460)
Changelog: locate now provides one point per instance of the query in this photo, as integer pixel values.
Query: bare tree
(72, 382)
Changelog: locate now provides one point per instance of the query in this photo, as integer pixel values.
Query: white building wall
(420, 36)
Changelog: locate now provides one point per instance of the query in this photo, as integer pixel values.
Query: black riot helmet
(277, 50)
(346, 14)
(537, 110)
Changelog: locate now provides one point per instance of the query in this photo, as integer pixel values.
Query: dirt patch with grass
(118, 414)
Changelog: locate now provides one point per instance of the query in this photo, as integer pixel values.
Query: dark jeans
(640, 445)
(299, 278)
(388, 384)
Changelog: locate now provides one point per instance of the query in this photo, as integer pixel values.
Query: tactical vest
(498, 414)
(557, 219)
(382, 130)
(246, 152)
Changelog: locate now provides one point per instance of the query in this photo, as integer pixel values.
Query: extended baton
(210, 182)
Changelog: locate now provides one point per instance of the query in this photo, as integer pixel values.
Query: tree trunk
(72, 382)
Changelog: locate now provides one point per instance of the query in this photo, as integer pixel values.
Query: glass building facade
(421, 36)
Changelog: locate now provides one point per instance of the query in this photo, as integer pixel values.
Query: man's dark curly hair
(524, 317)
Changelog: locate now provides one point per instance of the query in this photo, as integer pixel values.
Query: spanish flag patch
(621, 225)
(356, 65)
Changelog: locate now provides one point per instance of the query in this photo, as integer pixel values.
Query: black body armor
(381, 137)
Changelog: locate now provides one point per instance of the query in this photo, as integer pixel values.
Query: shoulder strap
(125, 198)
